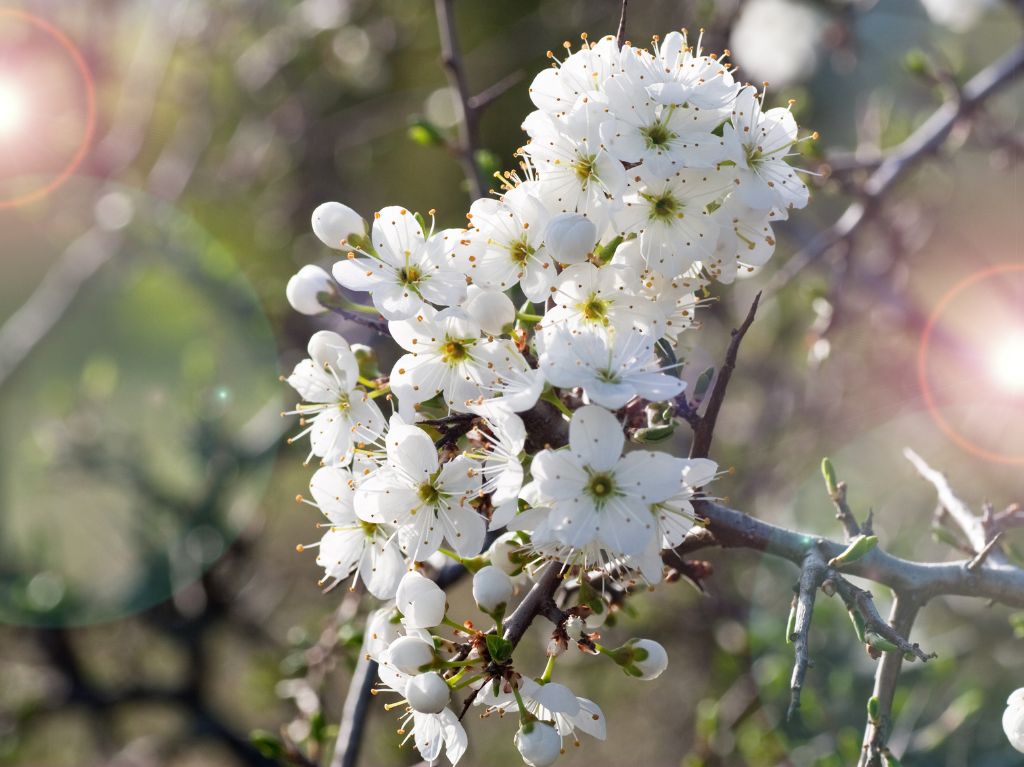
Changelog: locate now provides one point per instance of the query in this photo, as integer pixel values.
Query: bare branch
(972, 525)
(897, 163)
(483, 99)
(705, 430)
(451, 58)
(811, 576)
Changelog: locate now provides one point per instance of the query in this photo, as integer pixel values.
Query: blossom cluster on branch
(541, 343)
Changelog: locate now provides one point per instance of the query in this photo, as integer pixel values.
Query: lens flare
(12, 109)
(1006, 365)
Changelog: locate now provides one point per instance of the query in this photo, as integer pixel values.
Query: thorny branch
(811, 576)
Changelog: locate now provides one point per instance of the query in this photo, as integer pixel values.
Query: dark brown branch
(620, 35)
(537, 602)
(705, 430)
(451, 57)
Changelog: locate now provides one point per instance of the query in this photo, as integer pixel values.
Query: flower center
(429, 494)
(601, 486)
(454, 351)
(657, 135)
(369, 528)
(663, 207)
(753, 154)
(594, 309)
(584, 167)
(521, 252)
(410, 275)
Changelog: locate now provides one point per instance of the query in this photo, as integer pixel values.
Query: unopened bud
(335, 223)
(492, 589)
(539, 743)
(570, 237)
(304, 288)
(428, 693)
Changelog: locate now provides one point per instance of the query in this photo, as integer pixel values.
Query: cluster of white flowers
(648, 174)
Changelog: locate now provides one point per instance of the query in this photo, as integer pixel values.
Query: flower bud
(427, 693)
(570, 237)
(325, 346)
(1013, 719)
(421, 601)
(303, 287)
(502, 550)
(492, 310)
(409, 653)
(649, 658)
(574, 627)
(539, 744)
(492, 589)
(334, 222)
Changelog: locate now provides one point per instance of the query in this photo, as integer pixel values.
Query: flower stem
(548, 670)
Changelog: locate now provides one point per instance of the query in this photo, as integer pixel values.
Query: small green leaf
(425, 133)
(606, 252)
(499, 648)
(700, 388)
(859, 546)
(828, 471)
(874, 710)
(879, 642)
(858, 624)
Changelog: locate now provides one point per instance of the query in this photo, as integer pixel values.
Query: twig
(843, 513)
(535, 603)
(485, 97)
(451, 58)
(620, 36)
(904, 611)
(705, 430)
(982, 555)
(863, 601)
(31, 323)
(972, 525)
(896, 164)
(811, 576)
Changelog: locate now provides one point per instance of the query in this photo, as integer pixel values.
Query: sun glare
(12, 108)
(1007, 363)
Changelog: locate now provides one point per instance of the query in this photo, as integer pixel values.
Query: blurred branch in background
(897, 163)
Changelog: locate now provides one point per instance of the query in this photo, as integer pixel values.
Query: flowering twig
(353, 718)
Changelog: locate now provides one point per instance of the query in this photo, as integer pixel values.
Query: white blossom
(1013, 719)
(595, 493)
(427, 501)
(339, 414)
(408, 268)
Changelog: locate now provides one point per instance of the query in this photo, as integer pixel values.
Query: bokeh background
(158, 165)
